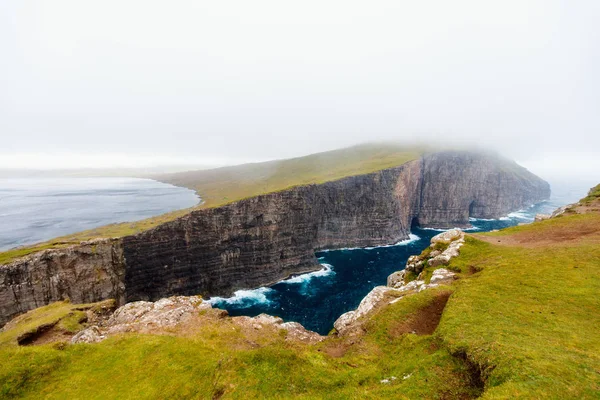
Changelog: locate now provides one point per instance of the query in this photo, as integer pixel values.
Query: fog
(141, 83)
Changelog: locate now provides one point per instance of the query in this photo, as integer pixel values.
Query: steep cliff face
(261, 240)
(264, 239)
(85, 273)
(457, 185)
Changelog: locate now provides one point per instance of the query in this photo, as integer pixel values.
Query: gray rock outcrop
(144, 317)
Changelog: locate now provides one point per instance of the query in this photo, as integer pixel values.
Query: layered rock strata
(86, 273)
(261, 240)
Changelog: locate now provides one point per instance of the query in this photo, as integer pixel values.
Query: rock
(396, 279)
(561, 210)
(145, 317)
(448, 236)
(541, 217)
(88, 335)
(370, 302)
(164, 313)
(295, 331)
(442, 275)
(415, 285)
(344, 321)
(435, 253)
(413, 260)
(442, 259)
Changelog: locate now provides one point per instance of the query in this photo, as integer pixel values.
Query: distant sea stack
(264, 239)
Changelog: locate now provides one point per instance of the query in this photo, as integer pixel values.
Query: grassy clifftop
(225, 185)
(521, 322)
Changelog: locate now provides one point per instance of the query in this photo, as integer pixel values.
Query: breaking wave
(411, 238)
(327, 270)
(244, 298)
(473, 228)
(521, 214)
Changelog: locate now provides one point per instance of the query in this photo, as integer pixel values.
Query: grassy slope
(62, 313)
(528, 318)
(531, 317)
(225, 185)
(217, 359)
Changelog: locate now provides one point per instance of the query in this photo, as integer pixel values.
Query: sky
(141, 83)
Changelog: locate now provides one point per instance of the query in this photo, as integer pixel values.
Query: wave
(244, 298)
(471, 219)
(521, 214)
(411, 238)
(473, 228)
(325, 271)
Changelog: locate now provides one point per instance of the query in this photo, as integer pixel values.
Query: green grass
(225, 185)
(216, 359)
(593, 195)
(221, 186)
(65, 315)
(530, 318)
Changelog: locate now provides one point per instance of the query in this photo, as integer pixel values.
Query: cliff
(266, 238)
(83, 273)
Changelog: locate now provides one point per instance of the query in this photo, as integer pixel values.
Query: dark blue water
(316, 300)
(34, 210)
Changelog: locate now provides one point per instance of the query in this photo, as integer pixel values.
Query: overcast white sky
(131, 83)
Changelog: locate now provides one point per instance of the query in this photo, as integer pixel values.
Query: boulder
(561, 210)
(88, 335)
(344, 321)
(396, 279)
(541, 217)
(163, 313)
(442, 259)
(442, 275)
(368, 304)
(448, 236)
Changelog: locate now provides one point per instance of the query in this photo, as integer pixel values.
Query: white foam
(521, 214)
(411, 238)
(325, 271)
(473, 228)
(248, 297)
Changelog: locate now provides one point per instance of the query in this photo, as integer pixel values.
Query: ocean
(36, 210)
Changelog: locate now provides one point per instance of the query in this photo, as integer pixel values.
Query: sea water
(317, 299)
(34, 210)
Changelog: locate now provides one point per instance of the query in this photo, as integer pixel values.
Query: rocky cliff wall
(89, 272)
(264, 239)
(261, 240)
(457, 185)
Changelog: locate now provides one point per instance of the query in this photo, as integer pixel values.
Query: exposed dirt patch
(548, 235)
(337, 350)
(473, 269)
(475, 375)
(31, 337)
(424, 321)
(52, 335)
